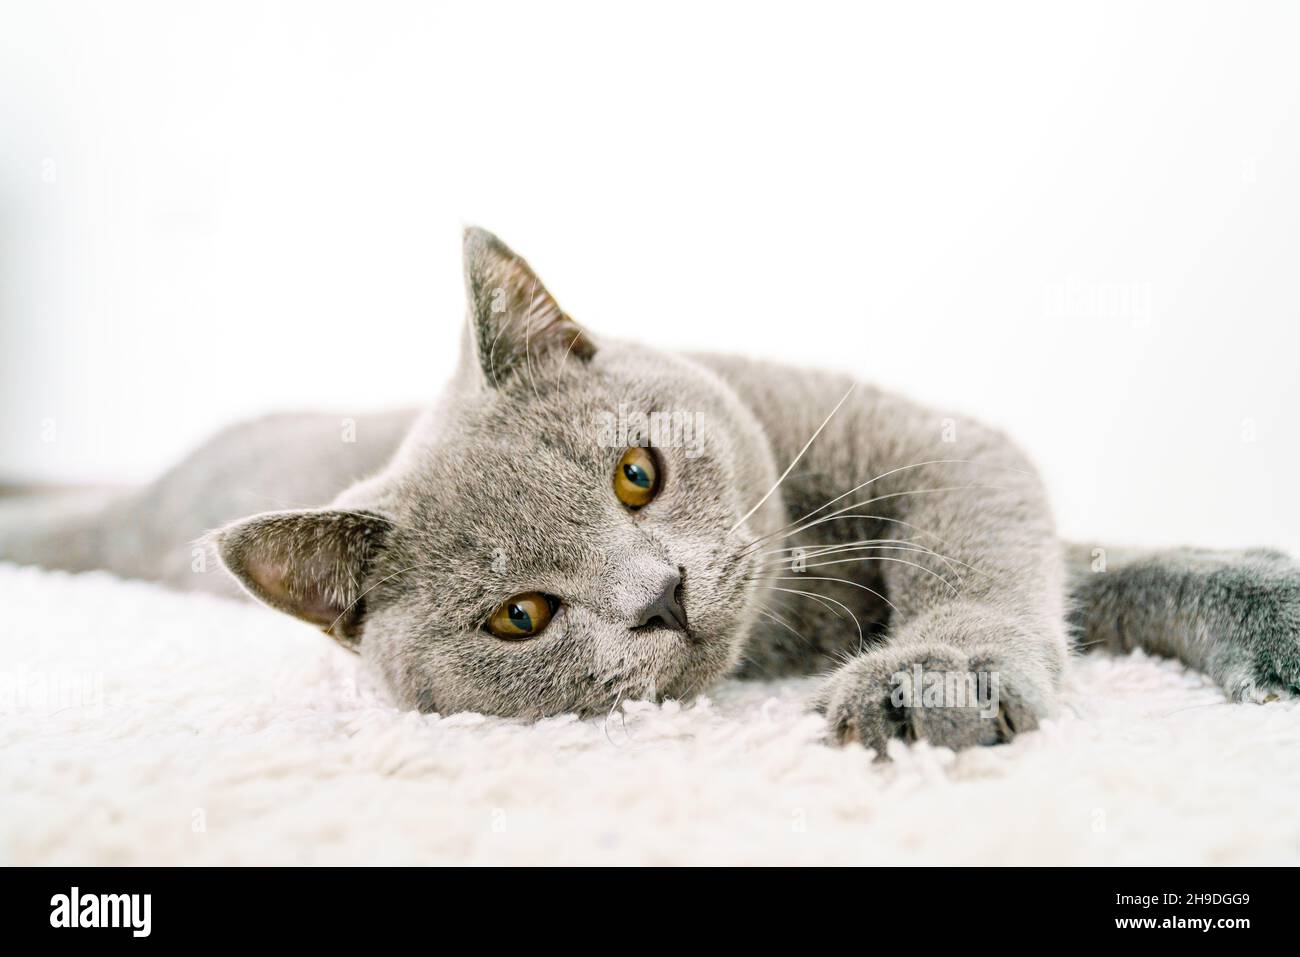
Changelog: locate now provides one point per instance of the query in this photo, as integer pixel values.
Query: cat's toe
(1248, 684)
(933, 695)
(859, 717)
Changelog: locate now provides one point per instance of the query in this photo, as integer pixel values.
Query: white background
(1079, 222)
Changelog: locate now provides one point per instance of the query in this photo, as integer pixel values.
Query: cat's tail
(1234, 615)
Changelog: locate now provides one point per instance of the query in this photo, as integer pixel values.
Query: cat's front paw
(939, 693)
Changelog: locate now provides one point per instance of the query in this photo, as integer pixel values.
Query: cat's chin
(690, 666)
(711, 656)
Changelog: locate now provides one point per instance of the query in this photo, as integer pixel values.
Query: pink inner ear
(306, 600)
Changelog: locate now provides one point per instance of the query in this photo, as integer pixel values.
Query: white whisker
(352, 604)
(886, 558)
(813, 551)
(824, 599)
(841, 513)
(842, 581)
(528, 328)
(791, 466)
(904, 468)
(786, 625)
(902, 545)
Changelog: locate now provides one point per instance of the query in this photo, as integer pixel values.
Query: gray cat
(579, 521)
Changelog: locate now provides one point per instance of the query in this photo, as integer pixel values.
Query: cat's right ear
(310, 564)
(514, 321)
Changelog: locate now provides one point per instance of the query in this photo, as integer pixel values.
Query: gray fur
(1233, 615)
(401, 543)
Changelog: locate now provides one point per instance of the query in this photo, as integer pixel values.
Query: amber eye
(636, 480)
(523, 616)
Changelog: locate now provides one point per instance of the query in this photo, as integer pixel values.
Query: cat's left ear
(514, 321)
(311, 564)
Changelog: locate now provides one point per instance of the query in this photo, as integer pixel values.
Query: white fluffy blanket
(139, 726)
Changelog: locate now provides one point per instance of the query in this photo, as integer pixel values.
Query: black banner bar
(333, 907)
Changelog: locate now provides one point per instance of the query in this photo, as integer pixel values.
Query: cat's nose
(666, 611)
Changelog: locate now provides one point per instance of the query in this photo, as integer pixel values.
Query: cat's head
(563, 529)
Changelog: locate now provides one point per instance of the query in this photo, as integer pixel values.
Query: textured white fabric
(141, 726)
